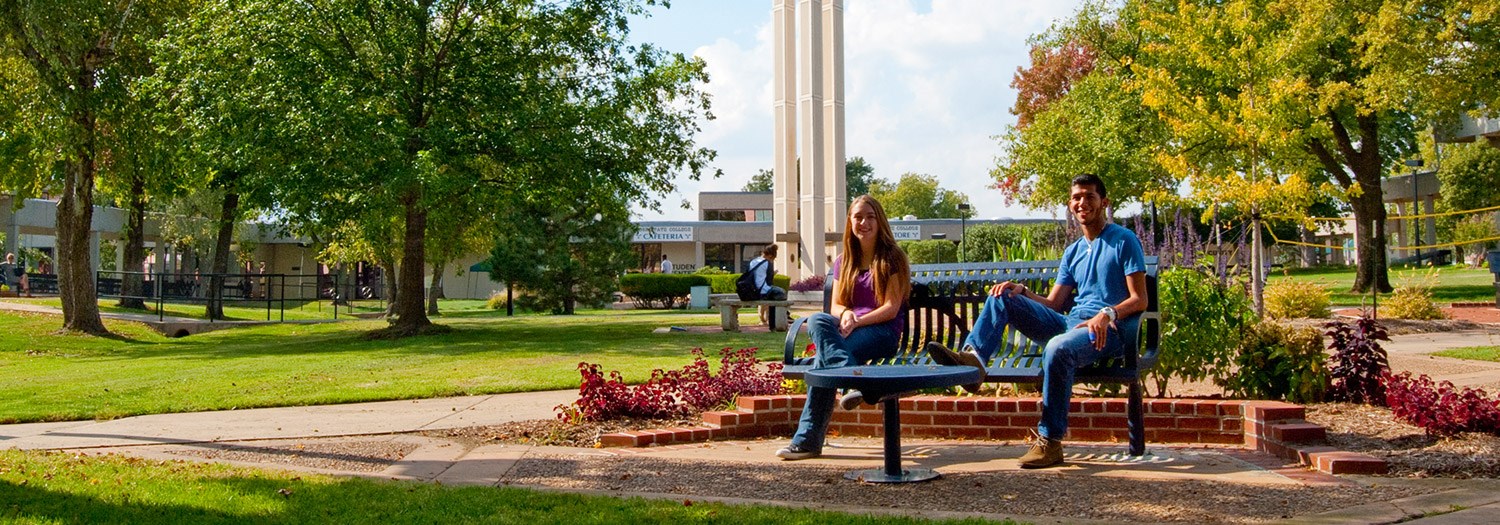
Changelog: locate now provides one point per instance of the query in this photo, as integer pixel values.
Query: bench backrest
(946, 299)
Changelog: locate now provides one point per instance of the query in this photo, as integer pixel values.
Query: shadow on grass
(250, 498)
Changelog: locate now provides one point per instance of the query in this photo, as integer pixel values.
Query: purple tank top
(865, 300)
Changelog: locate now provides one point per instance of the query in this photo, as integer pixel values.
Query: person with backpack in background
(762, 269)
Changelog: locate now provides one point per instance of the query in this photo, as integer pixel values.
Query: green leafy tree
(763, 180)
(564, 252)
(1079, 110)
(858, 174)
(1470, 179)
(65, 71)
(381, 105)
(918, 195)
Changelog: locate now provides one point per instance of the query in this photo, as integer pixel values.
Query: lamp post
(1416, 225)
(963, 230)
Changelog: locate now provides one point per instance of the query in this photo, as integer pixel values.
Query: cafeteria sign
(663, 233)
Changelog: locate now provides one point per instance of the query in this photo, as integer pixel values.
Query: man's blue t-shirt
(1097, 270)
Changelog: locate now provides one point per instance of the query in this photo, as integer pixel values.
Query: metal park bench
(946, 299)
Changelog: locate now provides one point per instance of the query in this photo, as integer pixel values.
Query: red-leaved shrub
(675, 393)
(811, 283)
(1440, 409)
(1359, 363)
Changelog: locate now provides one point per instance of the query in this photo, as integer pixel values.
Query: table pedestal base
(876, 475)
(892, 472)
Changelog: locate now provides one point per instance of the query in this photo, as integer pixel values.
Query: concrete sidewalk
(383, 417)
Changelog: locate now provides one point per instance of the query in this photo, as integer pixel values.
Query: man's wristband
(1110, 311)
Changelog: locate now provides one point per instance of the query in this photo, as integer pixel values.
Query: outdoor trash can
(1493, 257)
(698, 297)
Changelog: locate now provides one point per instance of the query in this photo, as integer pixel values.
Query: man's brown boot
(1044, 453)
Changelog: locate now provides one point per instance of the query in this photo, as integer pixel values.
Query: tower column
(784, 109)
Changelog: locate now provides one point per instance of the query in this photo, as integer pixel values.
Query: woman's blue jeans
(864, 344)
(1067, 350)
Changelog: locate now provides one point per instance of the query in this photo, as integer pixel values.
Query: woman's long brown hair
(889, 268)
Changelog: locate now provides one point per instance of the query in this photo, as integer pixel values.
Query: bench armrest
(789, 353)
(1148, 340)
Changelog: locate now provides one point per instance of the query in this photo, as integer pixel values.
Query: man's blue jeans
(1066, 350)
(864, 344)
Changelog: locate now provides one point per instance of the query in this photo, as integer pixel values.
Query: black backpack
(745, 285)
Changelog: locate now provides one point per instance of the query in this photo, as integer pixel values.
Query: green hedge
(660, 290)
(930, 252)
(725, 283)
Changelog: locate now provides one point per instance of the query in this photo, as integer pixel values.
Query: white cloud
(925, 92)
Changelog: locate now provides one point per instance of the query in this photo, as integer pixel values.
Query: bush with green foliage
(710, 270)
(496, 301)
(1470, 179)
(1413, 299)
(930, 252)
(1279, 362)
(1015, 242)
(1202, 322)
(725, 283)
(1289, 298)
(658, 290)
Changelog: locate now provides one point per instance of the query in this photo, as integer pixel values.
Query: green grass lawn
(250, 310)
(1475, 353)
(55, 487)
(1453, 284)
(51, 377)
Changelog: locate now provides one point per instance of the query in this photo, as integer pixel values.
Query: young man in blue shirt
(1108, 269)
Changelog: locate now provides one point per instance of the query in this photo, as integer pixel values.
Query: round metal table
(886, 384)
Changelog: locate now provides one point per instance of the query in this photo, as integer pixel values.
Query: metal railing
(275, 290)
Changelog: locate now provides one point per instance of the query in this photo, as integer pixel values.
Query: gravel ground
(1031, 493)
(1371, 430)
(1406, 448)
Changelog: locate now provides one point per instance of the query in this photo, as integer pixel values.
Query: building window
(724, 215)
(763, 215)
(720, 256)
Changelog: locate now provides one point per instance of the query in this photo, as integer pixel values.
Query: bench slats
(947, 298)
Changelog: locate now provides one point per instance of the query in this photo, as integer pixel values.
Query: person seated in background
(15, 275)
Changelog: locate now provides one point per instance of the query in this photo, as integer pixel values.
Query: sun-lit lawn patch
(48, 377)
(1454, 284)
(55, 487)
(1475, 353)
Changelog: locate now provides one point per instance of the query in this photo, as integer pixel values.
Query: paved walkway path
(175, 436)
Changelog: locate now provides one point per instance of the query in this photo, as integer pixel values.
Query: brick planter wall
(1267, 426)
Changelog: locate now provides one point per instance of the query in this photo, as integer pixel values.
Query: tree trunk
(1369, 206)
(133, 285)
(227, 215)
(410, 316)
(1369, 213)
(75, 217)
(1257, 264)
(436, 291)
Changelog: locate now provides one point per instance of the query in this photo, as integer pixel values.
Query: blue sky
(927, 86)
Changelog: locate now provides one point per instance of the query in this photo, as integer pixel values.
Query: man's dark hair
(1090, 179)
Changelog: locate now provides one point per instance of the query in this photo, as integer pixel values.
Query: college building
(731, 229)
